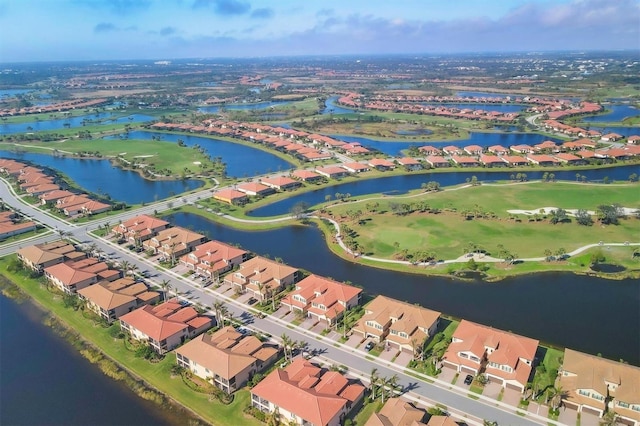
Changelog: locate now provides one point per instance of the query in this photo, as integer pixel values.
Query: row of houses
(55, 107)
(12, 224)
(442, 111)
(229, 359)
(36, 183)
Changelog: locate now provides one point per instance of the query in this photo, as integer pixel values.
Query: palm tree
(166, 287)
(221, 312)
(287, 343)
(125, 265)
(374, 379)
(610, 418)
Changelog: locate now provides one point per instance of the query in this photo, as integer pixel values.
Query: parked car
(369, 346)
(468, 379)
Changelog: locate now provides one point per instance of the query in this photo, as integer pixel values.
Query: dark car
(468, 379)
(369, 346)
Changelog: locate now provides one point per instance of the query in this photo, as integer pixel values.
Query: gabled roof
(105, 298)
(225, 352)
(295, 390)
(162, 321)
(68, 275)
(397, 412)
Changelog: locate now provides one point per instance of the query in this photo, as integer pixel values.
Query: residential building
(355, 167)
(592, 384)
(10, 225)
(173, 242)
(397, 412)
(305, 394)
(164, 326)
(381, 164)
(230, 196)
(437, 161)
(226, 358)
(69, 279)
(40, 256)
(410, 163)
(214, 258)
(140, 228)
(281, 183)
(306, 175)
(332, 172)
(402, 325)
(263, 277)
(255, 189)
(504, 358)
(322, 298)
(113, 299)
(463, 161)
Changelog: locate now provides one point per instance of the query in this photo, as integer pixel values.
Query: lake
(558, 308)
(617, 113)
(45, 381)
(331, 107)
(100, 177)
(240, 160)
(61, 123)
(404, 183)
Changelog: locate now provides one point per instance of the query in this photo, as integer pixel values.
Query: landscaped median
(157, 375)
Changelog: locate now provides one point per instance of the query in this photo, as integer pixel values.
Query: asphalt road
(473, 411)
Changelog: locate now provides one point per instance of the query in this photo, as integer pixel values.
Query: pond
(100, 177)
(617, 113)
(550, 307)
(240, 160)
(405, 183)
(71, 122)
(331, 107)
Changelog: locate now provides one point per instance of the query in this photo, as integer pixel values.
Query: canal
(589, 314)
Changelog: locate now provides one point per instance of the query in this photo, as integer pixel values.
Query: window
(583, 392)
(623, 404)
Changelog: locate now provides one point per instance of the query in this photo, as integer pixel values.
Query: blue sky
(45, 30)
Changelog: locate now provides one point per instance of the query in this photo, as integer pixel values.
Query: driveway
(588, 419)
(388, 354)
(511, 397)
(403, 359)
(492, 390)
(447, 374)
(319, 327)
(308, 323)
(354, 340)
(568, 416)
(281, 312)
(243, 298)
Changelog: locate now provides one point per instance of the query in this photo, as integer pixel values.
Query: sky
(59, 30)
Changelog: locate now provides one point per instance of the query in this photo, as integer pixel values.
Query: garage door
(514, 387)
(497, 380)
(467, 370)
(590, 411)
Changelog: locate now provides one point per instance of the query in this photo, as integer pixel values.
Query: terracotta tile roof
(68, 275)
(105, 298)
(397, 412)
(305, 174)
(294, 390)
(586, 372)
(162, 321)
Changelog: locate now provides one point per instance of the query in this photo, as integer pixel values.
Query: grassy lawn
(160, 155)
(449, 233)
(547, 370)
(367, 411)
(157, 374)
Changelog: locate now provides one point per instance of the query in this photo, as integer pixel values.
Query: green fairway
(479, 215)
(162, 156)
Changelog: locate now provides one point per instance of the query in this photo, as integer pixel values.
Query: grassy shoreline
(156, 377)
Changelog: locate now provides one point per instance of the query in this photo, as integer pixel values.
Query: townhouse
(226, 358)
(281, 183)
(503, 357)
(409, 163)
(231, 196)
(381, 164)
(164, 326)
(592, 384)
(255, 189)
(401, 325)
(322, 298)
(173, 242)
(41, 256)
(262, 277)
(355, 167)
(332, 172)
(437, 161)
(140, 228)
(10, 225)
(305, 394)
(306, 175)
(214, 258)
(111, 300)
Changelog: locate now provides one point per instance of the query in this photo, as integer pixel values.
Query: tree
(287, 345)
(558, 216)
(221, 312)
(583, 218)
(610, 418)
(299, 209)
(166, 287)
(608, 214)
(374, 379)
